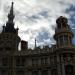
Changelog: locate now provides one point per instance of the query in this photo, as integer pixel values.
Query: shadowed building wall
(56, 60)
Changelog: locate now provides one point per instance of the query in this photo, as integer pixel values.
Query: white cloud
(33, 15)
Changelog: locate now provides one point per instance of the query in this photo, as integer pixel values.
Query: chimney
(24, 45)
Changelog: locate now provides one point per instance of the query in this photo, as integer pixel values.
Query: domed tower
(63, 34)
(9, 39)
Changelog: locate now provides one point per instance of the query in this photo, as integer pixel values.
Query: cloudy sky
(36, 18)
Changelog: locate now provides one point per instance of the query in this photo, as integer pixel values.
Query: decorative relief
(68, 57)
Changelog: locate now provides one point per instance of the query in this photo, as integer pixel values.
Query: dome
(61, 19)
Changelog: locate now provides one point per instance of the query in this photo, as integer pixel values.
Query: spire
(10, 24)
(35, 42)
(3, 28)
(11, 14)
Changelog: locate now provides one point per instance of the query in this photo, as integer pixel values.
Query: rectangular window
(55, 59)
(20, 61)
(65, 40)
(61, 40)
(4, 61)
(70, 40)
(45, 72)
(20, 72)
(4, 72)
(51, 60)
(35, 73)
(44, 61)
(17, 61)
(54, 72)
(35, 62)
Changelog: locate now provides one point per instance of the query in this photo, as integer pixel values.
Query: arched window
(65, 40)
(69, 70)
(61, 40)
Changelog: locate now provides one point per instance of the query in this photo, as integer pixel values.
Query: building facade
(57, 60)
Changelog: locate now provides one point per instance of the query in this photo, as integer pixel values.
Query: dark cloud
(71, 12)
(44, 13)
(38, 16)
(72, 8)
(33, 18)
(73, 30)
(43, 35)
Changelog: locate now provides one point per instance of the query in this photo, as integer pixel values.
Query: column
(63, 41)
(49, 72)
(0, 71)
(29, 72)
(63, 69)
(13, 66)
(39, 61)
(61, 58)
(26, 72)
(39, 72)
(58, 65)
(62, 66)
(58, 59)
(0, 63)
(10, 65)
(48, 60)
(74, 62)
(69, 41)
(29, 62)
(58, 42)
(74, 58)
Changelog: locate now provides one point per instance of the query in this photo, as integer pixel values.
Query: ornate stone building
(57, 60)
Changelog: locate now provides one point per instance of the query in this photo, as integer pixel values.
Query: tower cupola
(62, 22)
(63, 34)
